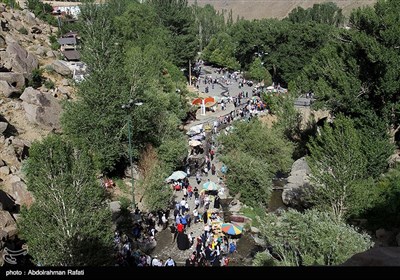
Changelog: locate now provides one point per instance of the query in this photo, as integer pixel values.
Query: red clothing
(189, 188)
(180, 228)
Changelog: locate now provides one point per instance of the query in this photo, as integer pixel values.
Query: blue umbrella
(211, 186)
(177, 175)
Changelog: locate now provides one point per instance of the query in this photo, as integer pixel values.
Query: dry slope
(257, 9)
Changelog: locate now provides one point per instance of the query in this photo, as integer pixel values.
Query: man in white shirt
(170, 262)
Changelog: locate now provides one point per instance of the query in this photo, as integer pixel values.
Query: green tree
(156, 193)
(386, 211)
(326, 13)
(254, 154)
(249, 176)
(176, 16)
(312, 238)
(338, 168)
(221, 51)
(355, 73)
(95, 120)
(69, 224)
(258, 72)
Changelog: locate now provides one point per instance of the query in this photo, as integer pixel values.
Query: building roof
(67, 41)
(71, 55)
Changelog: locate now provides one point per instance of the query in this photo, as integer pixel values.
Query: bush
(36, 80)
(23, 30)
(49, 84)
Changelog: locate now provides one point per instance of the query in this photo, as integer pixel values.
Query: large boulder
(377, 256)
(21, 61)
(6, 219)
(6, 89)
(61, 67)
(42, 109)
(3, 44)
(21, 194)
(15, 80)
(297, 183)
(4, 170)
(29, 18)
(3, 127)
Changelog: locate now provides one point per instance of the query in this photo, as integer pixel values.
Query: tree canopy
(254, 154)
(69, 223)
(311, 238)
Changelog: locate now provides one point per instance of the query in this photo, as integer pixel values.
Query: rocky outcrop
(377, 256)
(42, 109)
(3, 127)
(6, 89)
(7, 225)
(294, 191)
(61, 68)
(20, 192)
(17, 59)
(16, 80)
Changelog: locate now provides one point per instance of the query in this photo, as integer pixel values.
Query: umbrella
(255, 97)
(210, 104)
(209, 100)
(176, 176)
(194, 143)
(270, 88)
(197, 101)
(231, 229)
(211, 186)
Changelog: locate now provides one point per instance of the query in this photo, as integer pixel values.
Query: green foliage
(312, 238)
(264, 259)
(23, 31)
(49, 84)
(386, 211)
(338, 168)
(173, 152)
(208, 23)
(156, 193)
(176, 17)
(249, 176)
(12, 4)
(356, 73)
(258, 72)
(42, 11)
(326, 13)
(36, 79)
(221, 51)
(254, 154)
(253, 214)
(54, 43)
(69, 224)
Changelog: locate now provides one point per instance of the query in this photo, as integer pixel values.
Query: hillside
(257, 9)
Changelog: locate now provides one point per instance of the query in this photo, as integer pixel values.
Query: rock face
(3, 127)
(61, 68)
(42, 109)
(15, 80)
(6, 89)
(21, 194)
(294, 191)
(17, 59)
(377, 256)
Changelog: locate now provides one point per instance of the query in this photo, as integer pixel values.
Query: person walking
(213, 169)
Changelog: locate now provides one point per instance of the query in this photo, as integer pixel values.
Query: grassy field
(257, 9)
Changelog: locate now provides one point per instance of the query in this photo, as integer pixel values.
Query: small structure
(68, 43)
(71, 55)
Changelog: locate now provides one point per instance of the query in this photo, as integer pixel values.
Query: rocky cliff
(26, 114)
